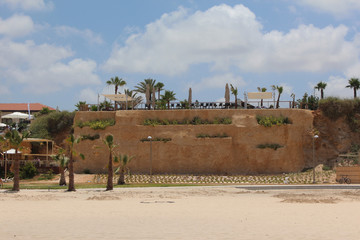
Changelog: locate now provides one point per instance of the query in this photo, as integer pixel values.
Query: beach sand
(221, 212)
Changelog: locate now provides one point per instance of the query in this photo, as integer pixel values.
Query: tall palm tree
(320, 87)
(280, 90)
(63, 162)
(117, 82)
(15, 139)
(71, 141)
(234, 91)
(261, 90)
(109, 142)
(141, 87)
(355, 84)
(137, 99)
(168, 96)
(122, 161)
(159, 87)
(293, 102)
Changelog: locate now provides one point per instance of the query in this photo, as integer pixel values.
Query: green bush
(269, 121)
(47, 176)
(203, 135)
(157, 139)
(194, 121)
(97, 124)
(50, 125)
(90, 137)
(28, 171)
(274, 146)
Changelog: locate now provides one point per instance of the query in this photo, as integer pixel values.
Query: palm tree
(355, 84)
(109, 142)
(63, 161)
(141, 87)
(137, 99)
(280, 90)
(15, 140)
(320, 87)
(122, 160)
(261, 90)
(117, 82)
(71, 141)
(293, 97)
(234, 91)
(159, 87)
(168, 96)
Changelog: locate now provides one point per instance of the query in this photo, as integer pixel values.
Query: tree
(81, 106)
(71, 141)
(122, 161)
(137, 99)
(63, 162)
(280, 90)
(355, 84)
(159, 87)
(168, 96)
(15, 139)
(234, 91)
(117, 82)
(320, 87)
(141, 87)
(293, 97)
(261, 90)
(109, 142)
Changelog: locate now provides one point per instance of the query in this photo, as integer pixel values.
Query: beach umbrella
(227, 94)
(190, 97)
(153, 98)
(18, 115)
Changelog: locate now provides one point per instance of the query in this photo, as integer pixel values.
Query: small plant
(269, 121)
(47, 176)
(28, 171)
(90, 137)
(326, 168)
(274, 146)
(97, 124)
(203, 135)
(157, 139)
(194, 121)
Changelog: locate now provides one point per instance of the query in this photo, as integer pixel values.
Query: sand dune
(180, 213)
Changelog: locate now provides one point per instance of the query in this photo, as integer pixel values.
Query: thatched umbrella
(147, 95)
(190, 97)
(153, 98)
(227, 94)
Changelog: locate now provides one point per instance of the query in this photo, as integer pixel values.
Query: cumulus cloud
(16, 26)
(224, 37)
(338, 8)
(28, 5)
(88, 35)
(219, 82)
(88, 95)
(44, 68)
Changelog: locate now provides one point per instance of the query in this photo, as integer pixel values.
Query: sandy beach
(221, 212)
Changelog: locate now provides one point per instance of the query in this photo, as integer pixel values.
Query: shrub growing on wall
(97, 124)
(269, 121)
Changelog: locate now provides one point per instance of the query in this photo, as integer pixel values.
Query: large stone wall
(185, 153)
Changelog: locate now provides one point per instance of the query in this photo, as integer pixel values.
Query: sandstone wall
(237, 154)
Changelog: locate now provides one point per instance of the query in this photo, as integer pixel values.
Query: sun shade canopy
(118, 97)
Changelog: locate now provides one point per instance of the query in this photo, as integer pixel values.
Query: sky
(60, 52)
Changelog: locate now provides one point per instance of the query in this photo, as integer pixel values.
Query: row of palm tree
(353, 83)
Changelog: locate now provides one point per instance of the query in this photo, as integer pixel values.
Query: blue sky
(60, 52)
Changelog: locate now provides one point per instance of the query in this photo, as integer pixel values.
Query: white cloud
(287, 89)
(338, 8)
(219, 82)
(88, 95)
(4, 90)
(336, 87)
(88, 35)
(28, 5)
(44, 68)
(16, 26)
(224, 37)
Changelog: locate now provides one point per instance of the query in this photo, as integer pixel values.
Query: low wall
(185, 153)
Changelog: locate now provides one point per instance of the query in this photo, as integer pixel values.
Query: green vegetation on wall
(97, 124)
(335, 108)
(156, 139)
(269, 121)
(194, 121)
(203, 135)
(90, 137)
(274, 146)
(50, 125)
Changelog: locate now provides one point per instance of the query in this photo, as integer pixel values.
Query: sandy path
(180, 213)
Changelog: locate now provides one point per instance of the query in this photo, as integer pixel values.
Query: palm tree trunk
(261, 103)
(109, 185)
(235, 102)
(159, 94)
(278, 101)
(354, 92)
(168, 104)
(121, 180)
(71, 173)
(16, 186)
(322, 94)
(62, 181)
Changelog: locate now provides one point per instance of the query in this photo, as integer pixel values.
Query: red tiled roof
(19, 107)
